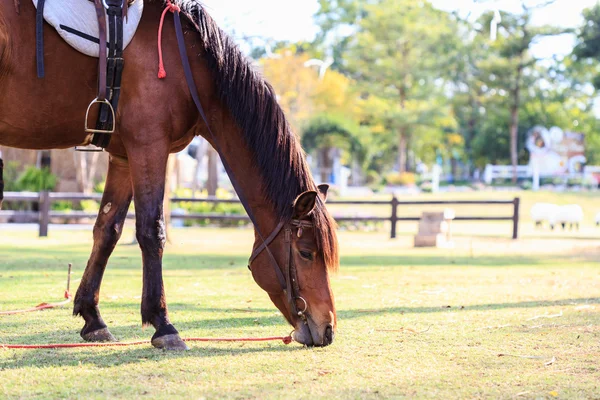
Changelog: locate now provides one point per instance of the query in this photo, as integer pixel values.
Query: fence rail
(44, 200)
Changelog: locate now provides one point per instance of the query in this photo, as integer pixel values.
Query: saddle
(89, 27)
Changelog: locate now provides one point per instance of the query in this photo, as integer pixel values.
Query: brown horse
(158, 117)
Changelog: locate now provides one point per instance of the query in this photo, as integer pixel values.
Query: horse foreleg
(107, 231)
(148, 177)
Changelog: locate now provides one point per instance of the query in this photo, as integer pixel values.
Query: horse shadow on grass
(117, 356)
(137, 354)
(360, 313)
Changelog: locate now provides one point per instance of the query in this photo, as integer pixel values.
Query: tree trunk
(212, 183)
(326, 167)
(402, 150)
(514, 125)
(403, 139)
(454, 168)
(514, 122)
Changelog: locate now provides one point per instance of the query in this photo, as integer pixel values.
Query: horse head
(305, 251)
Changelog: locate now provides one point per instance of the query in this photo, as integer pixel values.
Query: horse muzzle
(311, 335)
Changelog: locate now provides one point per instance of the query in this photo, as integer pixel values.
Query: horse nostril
(328, 337)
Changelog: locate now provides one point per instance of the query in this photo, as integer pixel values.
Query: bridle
(288, 278)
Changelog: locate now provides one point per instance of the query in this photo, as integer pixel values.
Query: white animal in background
(571, 215)
(543, 212)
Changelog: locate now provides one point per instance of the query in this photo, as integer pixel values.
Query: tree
(294, 95)
(396, 54)
(512, 68)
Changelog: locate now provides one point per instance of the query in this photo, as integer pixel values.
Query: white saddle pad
(76, 22)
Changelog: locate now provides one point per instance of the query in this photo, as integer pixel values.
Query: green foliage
(190, 207)
(428, 76)
(401, 178)
(34, 179)
(99, 188)
(11, 173)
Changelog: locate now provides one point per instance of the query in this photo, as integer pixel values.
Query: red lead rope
(68, 297)
(42, 306)
(284, 339)
(46, 306)
(161, 66)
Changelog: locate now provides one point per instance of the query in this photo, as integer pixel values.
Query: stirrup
(112, 111)
(90, 148)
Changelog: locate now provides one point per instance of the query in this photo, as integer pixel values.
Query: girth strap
(111, 67)
(39, 38)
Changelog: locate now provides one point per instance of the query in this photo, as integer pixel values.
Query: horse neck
(246, 174)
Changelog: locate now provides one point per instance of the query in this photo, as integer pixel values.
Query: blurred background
(424, 100)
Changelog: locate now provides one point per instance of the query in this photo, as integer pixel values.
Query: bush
(11, 174)
(401, 179)
(426, 187)
(526, 185)
(35, 180)
(574, 182)
(99, 188)
(209, 208)
(373, 178)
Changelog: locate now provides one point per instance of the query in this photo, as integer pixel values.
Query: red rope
(161, 66)
(42, 306)
(68, 297)
(284, 339)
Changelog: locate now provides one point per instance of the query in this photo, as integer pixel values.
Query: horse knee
(151, 236)
(108, 235)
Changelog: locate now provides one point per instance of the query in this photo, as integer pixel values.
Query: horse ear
(304, 204)
(323, 189)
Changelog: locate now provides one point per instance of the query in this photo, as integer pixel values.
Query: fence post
(394, 218)
(516, 202)
(44, 213)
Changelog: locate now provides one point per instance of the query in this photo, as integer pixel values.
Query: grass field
(492, 318)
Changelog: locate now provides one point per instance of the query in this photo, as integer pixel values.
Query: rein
(288, 278)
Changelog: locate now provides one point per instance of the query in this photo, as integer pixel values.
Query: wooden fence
(44, 199)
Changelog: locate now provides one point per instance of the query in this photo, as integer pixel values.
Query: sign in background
(556, 152)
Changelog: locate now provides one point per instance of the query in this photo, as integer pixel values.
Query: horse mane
(253, 104)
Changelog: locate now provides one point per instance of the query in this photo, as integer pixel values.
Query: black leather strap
(114, 71)
(39, 38)
(267, 242)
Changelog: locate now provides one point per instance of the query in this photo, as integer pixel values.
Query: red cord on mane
(161, 66)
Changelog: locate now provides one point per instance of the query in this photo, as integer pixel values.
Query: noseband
(288, 278)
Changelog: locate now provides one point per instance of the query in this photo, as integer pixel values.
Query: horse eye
(307, 255)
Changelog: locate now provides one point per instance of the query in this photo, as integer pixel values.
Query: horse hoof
(170, 342)
(101, 335)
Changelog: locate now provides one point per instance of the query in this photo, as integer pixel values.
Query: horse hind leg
(148, 177)
(107, 231)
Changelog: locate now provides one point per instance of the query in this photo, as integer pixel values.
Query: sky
(293, 19)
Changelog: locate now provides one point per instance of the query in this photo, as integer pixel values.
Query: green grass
(423, 323)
